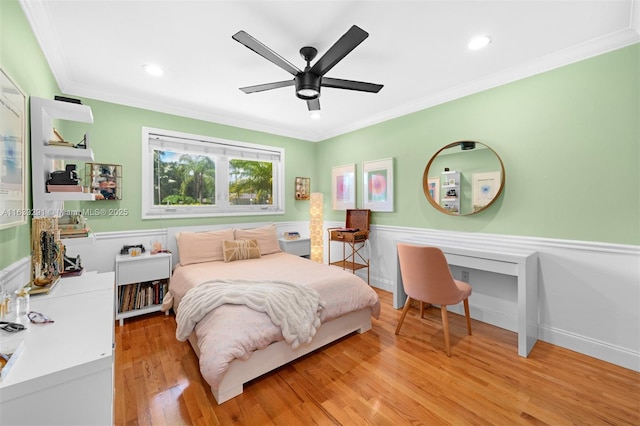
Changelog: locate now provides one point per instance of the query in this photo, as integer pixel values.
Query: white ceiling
(417, 49)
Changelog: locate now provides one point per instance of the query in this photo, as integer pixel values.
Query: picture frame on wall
(484, 187)
(377, 178)
(13, 130)
(343, 187)
(433, 184)
(303, 188)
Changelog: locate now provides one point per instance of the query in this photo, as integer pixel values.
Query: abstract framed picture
(378, 185)
(433, 183)
(13, 130)
(484, 188)
(343, 187)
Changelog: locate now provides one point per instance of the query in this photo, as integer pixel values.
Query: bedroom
(571, 189)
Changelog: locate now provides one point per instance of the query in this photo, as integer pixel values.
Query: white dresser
(64, 374)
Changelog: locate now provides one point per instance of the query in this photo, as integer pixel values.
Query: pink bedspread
(235, 331)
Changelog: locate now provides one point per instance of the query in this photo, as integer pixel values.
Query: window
(186, 175)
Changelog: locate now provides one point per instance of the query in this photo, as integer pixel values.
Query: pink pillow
(266, 236)
(198, 247)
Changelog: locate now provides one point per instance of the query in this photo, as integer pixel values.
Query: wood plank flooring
(378, 378)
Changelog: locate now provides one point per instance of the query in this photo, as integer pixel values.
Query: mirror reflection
(463, 178)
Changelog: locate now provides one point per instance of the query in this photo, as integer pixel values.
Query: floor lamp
(316, 232)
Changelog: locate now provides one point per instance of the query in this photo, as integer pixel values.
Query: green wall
(115, 137)
(22, 59)
(569, 139)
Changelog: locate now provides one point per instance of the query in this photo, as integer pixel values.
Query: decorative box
(356, 227)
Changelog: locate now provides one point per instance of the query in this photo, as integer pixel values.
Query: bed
(236, 343)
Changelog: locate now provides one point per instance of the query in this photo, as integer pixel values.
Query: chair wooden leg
(445, 327)
(466, 314)
(407, 305)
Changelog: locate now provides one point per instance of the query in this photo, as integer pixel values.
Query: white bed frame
(279, 353)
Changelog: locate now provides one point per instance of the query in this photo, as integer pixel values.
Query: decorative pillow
(198, 247)
(240, 250)
(266, 236)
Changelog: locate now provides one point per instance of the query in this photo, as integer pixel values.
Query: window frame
(199, 144)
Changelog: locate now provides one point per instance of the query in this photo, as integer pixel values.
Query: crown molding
(36, 11)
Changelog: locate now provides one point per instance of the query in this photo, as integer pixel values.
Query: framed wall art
(433, 183)
(303, 188)
(378, 185)
(13, 130)
(343, 187)
(484, 188)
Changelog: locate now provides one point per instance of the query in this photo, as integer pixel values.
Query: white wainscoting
(16, 275)
(589, 292)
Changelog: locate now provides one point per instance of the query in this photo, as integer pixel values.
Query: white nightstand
(141, 283)
(300, 247)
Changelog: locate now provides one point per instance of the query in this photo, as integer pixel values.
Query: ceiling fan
(309, 81)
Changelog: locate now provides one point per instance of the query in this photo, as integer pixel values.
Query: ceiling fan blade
(339, 50)
(360, 86)
(262, 50)
(267, 86)
(314, 104)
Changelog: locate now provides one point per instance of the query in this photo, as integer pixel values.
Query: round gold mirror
(463, 178)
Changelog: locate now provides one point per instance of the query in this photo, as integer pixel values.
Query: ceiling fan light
(315, 115)
(308, 93)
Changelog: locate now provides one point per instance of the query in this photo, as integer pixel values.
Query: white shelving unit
(450, 191)
(43, 114)
(134, 270)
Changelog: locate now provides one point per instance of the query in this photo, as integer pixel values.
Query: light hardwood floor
(378, 378)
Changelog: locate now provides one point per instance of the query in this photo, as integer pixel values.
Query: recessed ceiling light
(479, 42)
(153, 69)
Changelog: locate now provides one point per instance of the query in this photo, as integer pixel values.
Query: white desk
(522, 264)
(64, 374)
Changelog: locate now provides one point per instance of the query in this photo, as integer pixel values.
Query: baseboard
(591, 347)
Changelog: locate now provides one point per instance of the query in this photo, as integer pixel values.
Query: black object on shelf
(65, 99)
(68, 176)
(125, 249)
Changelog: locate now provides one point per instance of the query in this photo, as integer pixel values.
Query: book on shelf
(141, 295)
(61, 143)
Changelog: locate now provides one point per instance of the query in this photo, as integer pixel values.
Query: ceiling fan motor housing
(308, 85)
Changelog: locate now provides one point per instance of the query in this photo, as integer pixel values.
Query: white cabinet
(64, 374)
(43, 114)
(450, 191)
(300, 247)
(141, 283)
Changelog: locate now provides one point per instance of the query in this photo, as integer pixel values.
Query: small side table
(300, 247)
(141, 283)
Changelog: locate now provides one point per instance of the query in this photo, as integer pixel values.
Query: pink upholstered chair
(427, 279)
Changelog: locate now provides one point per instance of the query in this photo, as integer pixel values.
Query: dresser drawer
(143, 268)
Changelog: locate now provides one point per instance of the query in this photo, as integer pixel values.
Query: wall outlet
(464, 276)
